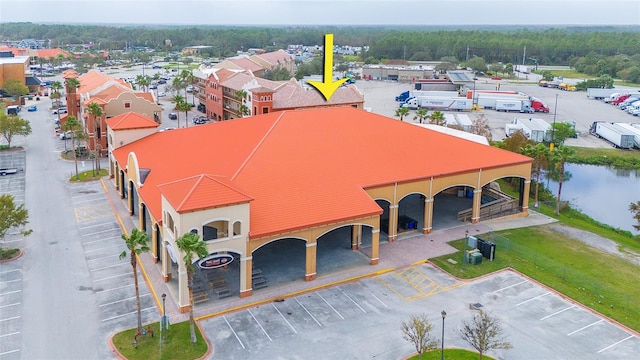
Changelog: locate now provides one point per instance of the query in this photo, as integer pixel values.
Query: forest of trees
(613, 51)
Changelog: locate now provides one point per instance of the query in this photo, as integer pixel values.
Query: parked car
(153, 87)
(65, 135)
(156, 67)
(62, 110)
(162, 81)
(162, 94)
(32, 108)
(173, 116)
(496, 78)
(198, 120)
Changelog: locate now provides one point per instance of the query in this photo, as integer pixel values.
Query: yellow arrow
(327, 87)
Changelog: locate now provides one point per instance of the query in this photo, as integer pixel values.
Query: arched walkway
(336, 252)
(281, 261)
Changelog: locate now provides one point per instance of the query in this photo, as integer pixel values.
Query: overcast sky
(320, 12)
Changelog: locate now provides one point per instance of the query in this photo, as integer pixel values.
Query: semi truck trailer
(616, 135)
(438, 103)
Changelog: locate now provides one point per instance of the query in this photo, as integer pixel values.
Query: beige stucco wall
(139, 105)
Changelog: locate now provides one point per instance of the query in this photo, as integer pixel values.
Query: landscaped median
(601, 281)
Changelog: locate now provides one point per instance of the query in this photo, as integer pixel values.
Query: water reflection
(602, 193)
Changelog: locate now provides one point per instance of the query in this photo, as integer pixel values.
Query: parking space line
(558, 312)
(10, 334)
(614, 344)
(99, 240)
(334, 309)
(283, 318)
(96, 225)
(10, 292)
(98, 232)
(11, 318)
(115, 288)
(533, 298)
(103, 257)
(127, 314)
(111, 277)
(349, 297)
(9, 352)
(14, 304)
(122, 300)
(9, 281)
(585, 327)
(258, 322)
(9, 271)
(510, 286)
(104, 248)
(305, 309)
(233, 331)
(110, 266)
(374, 296)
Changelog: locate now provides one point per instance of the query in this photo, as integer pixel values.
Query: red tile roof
(130, 121)
(296, 164)
(52, 53)
(202, 192)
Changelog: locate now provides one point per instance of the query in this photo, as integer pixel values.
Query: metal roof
(459, 77)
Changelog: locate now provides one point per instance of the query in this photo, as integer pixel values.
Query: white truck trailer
(438, 103)
(535, 129)
(635, 131)
(522, 106)
(488, 101)
(464, 122)
(600, 94)
(618, 136)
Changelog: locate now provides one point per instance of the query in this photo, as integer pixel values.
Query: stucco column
(428, 216)
(356, 237)
(183, 290)
(246, 267)
(141, 217)
(525, 197)
(130, 199)
(310, 267)
(166, 263)
(393, 223)
(375, 246)
(475, 213)
(154, 242)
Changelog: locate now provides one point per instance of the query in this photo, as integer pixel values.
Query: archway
(281, 261)
(411, 214)
(217, 275)
(133, 200)
(384, 219)
(335, 251)
(156, 230)
(448, 203)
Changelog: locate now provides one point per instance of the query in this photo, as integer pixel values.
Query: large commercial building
(296, 177)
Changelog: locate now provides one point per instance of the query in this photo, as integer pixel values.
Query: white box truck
(535, 129)
(618, 136)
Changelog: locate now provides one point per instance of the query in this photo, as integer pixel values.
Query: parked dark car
(173, 116)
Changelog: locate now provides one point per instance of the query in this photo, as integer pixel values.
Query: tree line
(543, 45)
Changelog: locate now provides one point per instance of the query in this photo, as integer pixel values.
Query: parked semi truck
(534, 129)
(417, 93)
(633, 131)
(618, 136)
(600, 94)
(523, 106)
(438, 103)
(508, 102)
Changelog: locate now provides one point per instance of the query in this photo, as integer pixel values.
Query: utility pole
(524, 54)
(467, 54)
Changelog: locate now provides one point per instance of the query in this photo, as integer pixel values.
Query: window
(265, 110)
(127, 105)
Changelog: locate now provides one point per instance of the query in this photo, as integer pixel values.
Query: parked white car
(162, 94)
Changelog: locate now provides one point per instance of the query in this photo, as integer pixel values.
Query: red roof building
(300, 174)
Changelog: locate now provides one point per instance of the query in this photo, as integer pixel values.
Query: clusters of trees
(496, 44)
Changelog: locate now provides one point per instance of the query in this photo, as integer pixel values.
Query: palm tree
(421, 114)
(56, 86)
(96, 112)
(401, 112)
(190, 244)
(184, 106)
(437, 118)
(177, 100)
(73, 126)
(179, 84)
(559, 156)
(155, 78)
(540, 154)
(136, 244)
(243, 109)
(189, 79)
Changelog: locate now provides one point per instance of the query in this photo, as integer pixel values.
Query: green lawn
(451, 354)
(89, 175)
(177, 346)
(598, 280)
(571, 74)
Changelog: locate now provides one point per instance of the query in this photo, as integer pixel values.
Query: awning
(172, 253)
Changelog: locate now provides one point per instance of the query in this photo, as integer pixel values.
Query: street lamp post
(444, 315)
(553, 130)
(164, 316)
(473, 98)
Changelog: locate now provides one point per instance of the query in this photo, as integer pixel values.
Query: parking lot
(362, 319)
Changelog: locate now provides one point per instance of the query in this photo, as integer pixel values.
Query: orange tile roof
(295, 164)
(92, 80)
(275, 57)
(293, 95)
(130, 121)
(202, 192)
(52, 53)
(246, 63)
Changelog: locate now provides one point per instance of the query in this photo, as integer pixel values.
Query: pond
(602, 193)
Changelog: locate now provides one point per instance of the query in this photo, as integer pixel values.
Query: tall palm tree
(95, 111)
(191, 245)
(177, 100)
(136, 244)
(540, 155)
(73, 126)
(156, 78)
(189, 79)
(560, 156)
(243, 109)
(421, 114)
(437, 118)
(178, 84)
(184, 106)
(402, 112)
(56, 86)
